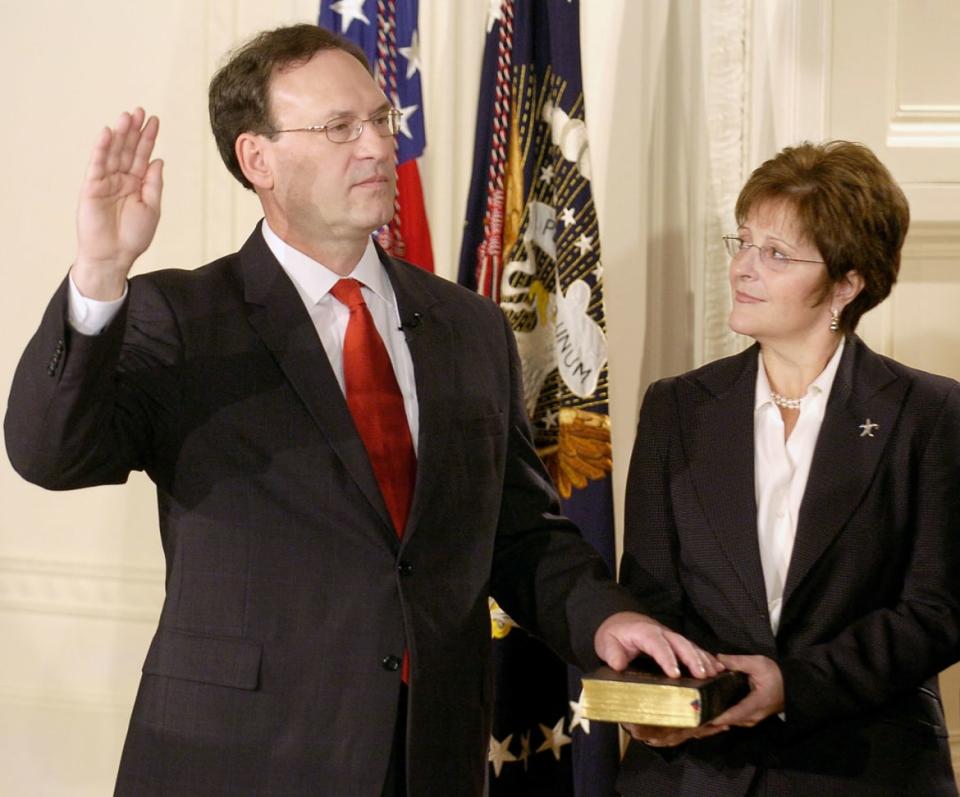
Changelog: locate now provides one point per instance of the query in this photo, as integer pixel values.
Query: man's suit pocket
(212, 660)
(198, 688)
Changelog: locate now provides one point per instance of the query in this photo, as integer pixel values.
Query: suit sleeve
(898, 647)
(648, 567)
(545, 575)
(86, 410)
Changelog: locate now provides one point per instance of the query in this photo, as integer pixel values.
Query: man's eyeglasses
(344, 129)
(770, 256)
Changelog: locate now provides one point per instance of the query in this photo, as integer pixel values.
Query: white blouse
(781, 468)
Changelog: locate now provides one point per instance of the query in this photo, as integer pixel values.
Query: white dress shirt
(313, 282)
(90, 316)
(780, 474)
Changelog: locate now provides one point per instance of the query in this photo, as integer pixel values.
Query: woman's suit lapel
(716, 419)
(718, 434)
(861, 414)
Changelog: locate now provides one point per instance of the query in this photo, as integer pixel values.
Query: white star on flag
(494, 13)
(584, 244)
(412, 54)
(554, 739)
(349, 10)
(567, 216)
(551, 418)
(407, 111)
(578, 720)
(500, 753)
(546, 174)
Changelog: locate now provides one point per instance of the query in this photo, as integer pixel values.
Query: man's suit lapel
(718, 438)
(431, 349)
(276, 312)
(860, 417)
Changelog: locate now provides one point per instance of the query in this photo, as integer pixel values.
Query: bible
(649, 698)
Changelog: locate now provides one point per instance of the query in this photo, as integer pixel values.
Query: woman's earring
(834, 320)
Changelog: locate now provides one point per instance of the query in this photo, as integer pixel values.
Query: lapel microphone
(412, 322)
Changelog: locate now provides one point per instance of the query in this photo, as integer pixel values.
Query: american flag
(387, 31)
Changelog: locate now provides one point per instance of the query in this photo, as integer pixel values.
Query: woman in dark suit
(797, 508)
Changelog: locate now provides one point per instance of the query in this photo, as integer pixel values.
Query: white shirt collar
(315, 279)
(819, 386)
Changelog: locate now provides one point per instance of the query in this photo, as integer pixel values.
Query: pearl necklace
(783, 401)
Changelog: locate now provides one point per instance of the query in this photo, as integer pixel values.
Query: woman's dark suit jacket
(871, 607)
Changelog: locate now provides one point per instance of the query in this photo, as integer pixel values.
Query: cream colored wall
(81, 575)
(894, 86)
(682, 97)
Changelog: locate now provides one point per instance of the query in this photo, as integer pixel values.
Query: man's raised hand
(119, 205)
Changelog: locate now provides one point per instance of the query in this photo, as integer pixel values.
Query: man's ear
(251, 154)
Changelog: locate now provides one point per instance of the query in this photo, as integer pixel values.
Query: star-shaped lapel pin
(868, 427)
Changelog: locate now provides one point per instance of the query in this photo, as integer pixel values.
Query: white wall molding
(111, 592)
(924, 126)
(920, 46)
(72, 701)
(931, 242)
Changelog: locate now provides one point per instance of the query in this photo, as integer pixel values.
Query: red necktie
(376, 405)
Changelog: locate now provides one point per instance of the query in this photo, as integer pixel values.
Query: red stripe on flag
(414, 230)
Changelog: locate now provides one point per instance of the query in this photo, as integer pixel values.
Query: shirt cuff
(90, 316)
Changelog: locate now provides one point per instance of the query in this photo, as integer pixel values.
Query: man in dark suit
(325, 628)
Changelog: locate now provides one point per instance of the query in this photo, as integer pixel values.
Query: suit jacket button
(405, 568)
(390, 663)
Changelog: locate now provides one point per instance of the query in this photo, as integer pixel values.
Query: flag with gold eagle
(531, 244)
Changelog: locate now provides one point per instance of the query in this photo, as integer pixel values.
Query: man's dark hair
(240, 90)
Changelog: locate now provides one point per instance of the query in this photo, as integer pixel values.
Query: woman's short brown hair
(848, 204)
(240, 91)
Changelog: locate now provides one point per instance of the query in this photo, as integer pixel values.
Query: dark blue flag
(531, 243)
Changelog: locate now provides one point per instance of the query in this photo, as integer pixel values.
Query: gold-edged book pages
(648, 698)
